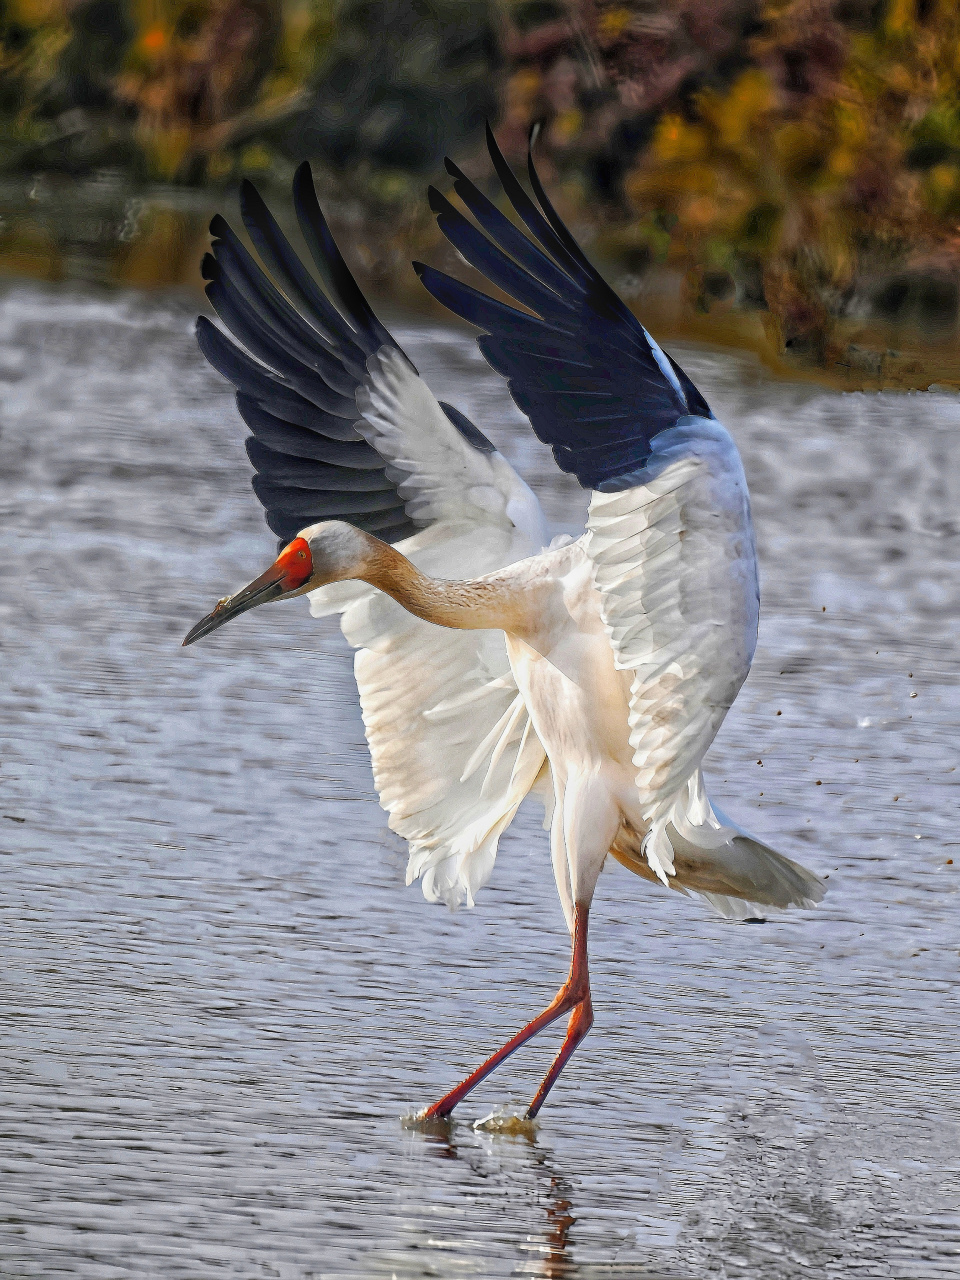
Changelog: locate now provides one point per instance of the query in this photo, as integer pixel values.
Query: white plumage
(656, 608)
(597, 671)
(449, 735)
(676, 569)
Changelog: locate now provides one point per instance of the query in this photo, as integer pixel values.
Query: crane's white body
(634, 641)
(595, 671)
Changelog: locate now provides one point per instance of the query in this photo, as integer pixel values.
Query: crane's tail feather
(740, 878)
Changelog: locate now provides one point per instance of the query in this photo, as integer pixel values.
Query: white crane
(596, 672)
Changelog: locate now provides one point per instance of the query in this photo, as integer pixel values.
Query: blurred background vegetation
(783, 174)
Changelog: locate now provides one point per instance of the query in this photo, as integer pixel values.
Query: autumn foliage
(800, 157)
(798, 160)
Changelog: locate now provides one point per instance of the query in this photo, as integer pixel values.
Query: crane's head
(333, 551)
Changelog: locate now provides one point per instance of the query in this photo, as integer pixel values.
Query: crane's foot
(506, 1123)
(573, 996)
(434, 1126)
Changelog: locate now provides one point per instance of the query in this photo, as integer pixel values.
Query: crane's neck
(473, 605)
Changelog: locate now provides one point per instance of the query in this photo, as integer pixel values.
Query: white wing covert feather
(452, 746)
(440, 476)
(676, 569)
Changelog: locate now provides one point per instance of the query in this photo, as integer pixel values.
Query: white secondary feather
(440, 476)
(676, 568)
(450, 738)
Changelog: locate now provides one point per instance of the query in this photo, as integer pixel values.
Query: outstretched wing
(453, 748)
(676, 570)
(299, 363)
(592, 381)
(344, 427)
(669, 527)
(677, 574)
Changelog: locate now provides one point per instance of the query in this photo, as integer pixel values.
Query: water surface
(218, 998)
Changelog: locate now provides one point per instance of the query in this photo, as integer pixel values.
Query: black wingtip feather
(584, 372)
(248, 191)
(278, 254)
(296, 351)
(219, 227)
(484, 312)
(528, 210)
(330, 261)
(513, 277)
(556, 222)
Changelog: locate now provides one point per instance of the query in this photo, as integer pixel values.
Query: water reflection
(522, 1167)
(103, 229)
(557, 1263)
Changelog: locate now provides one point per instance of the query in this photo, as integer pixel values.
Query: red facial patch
(296, 564)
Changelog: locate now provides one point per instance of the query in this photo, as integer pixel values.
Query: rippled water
(218, 999)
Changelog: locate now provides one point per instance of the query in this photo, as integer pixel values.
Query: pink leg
(574, 994)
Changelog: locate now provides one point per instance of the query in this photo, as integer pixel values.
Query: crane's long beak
(288, 573)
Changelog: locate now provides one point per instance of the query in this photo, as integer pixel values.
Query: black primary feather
(297, 356)
(594, 385)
